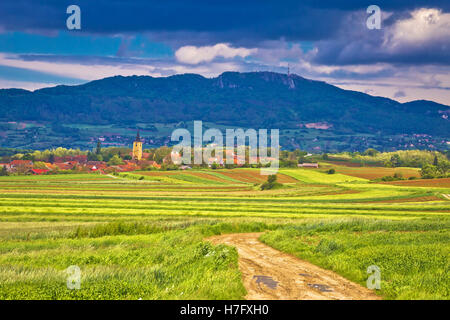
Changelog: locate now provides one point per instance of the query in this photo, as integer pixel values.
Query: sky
(408, 58)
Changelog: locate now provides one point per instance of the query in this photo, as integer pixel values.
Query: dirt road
(270, 274)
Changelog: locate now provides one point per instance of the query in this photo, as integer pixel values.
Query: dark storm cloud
(291, 19)
(355, 44)
(230, 20)
(345, 51)
(227, 19)
(337, 28)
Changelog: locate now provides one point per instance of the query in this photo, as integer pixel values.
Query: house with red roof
(16, 163)
(95, 169)
(79, 158)
(149, 163)
(124, 167)
(63, 166)
(38, 171)
(21, 165)
(154, 164)
(101, 165)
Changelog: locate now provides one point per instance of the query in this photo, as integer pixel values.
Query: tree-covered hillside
(257, 99)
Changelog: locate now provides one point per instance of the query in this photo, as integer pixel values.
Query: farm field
(142, 234)
(442, 183)
(370, 172)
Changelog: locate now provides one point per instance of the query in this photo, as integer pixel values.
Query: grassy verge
(121, 261)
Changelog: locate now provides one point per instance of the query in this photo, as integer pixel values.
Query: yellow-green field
(140, 235)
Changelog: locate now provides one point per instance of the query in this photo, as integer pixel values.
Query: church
(137, 148)
(139, 157)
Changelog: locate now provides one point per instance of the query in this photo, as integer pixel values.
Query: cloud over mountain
(195, 55)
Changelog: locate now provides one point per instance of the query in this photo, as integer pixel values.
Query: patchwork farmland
(145, 234)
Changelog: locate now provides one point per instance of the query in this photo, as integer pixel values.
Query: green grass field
(141, 235)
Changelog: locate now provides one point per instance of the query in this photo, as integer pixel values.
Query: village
(75, 164)
(81, 164)
(136, 159)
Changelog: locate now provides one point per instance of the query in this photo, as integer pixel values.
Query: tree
(161, 153)
(388, 164)
(98, 150)
(398, 176)
(271, 183)
(3, 171)
(429, 172)
(272, 178)
(214, 166)
(435, 161)
(39, 165)
(91, 156)
(395, 160)
(115, 160)
(371, 152)
(443, 167)
(288, 163)
(28, 156)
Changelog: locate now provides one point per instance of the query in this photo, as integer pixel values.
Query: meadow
(141, 234)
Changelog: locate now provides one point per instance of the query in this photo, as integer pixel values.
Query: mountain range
(254, 99)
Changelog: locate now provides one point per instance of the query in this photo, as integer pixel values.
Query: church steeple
(138, 137)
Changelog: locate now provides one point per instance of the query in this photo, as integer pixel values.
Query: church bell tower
(137, 148)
